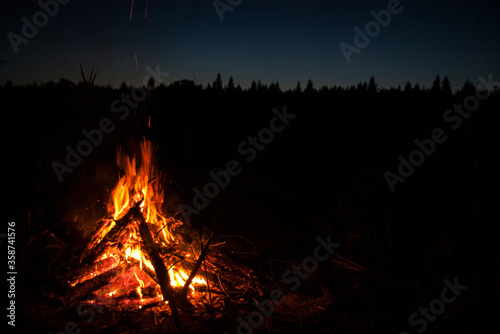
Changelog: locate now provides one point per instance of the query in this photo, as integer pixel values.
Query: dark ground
(322, 175)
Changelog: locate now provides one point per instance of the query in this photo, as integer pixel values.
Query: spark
(146, 13)
(131, 8)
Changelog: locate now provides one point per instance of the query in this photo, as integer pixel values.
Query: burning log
(103, 227)
(82, 290)
(92, 270)
(133, 284)
(160, 269)
(111, 236)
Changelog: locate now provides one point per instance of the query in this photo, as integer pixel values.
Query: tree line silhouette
(217, 86)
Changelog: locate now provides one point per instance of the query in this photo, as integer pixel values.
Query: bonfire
(136, 250)
(140, 258)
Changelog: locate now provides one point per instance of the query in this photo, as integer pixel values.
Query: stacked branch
(160, 270)
(112, 235)
(93, 268)
(228, 276)
(87, 287)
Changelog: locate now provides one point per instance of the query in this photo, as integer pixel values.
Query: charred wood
(133, 213)
(92, 270)
(80, 291)
(160, 269)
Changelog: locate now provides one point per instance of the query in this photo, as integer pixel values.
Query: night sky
(284, 41)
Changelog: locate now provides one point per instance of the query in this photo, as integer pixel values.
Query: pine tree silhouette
(372, 85)
(230, 85)
(446, 86)
(408, 88)
(298, 89)
(309, 86)
(436, 85)
(217, 85)
(253, 87)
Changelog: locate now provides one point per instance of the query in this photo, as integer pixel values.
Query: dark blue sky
(285, 41)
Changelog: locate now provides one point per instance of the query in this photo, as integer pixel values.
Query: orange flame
(140, 182)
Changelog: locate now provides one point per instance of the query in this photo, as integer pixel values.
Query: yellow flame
(140, 182)
(141, 285)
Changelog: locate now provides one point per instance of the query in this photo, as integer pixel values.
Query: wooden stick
(134, 212)
(81, 290)
(86, 272)
(185, 289)
(160, 270)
